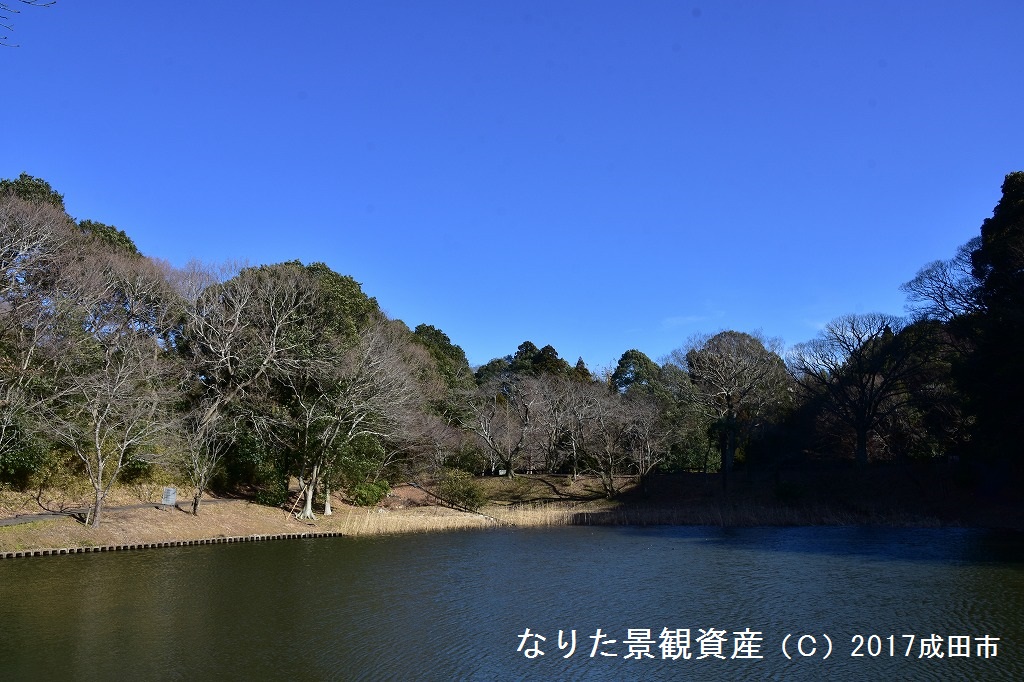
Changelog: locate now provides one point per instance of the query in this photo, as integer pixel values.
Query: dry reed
(721, 514)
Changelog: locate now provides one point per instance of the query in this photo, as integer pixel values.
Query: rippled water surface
(453, 606)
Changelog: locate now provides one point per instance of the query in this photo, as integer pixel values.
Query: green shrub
(368, 494)
(467, 459)
(458, 488)
(24, 458)
(273, 492)
(135, 470)
(249, 462)
(63, 471)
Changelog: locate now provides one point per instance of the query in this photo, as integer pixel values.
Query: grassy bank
(226, 518)
(891, 497)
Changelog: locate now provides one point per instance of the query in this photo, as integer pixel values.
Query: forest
(115, 364)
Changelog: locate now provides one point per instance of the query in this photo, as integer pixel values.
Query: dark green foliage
(495, 368)
(272, 493)
(533, 361)
(692, 450)
(109, 236)
(135, 470)
(932, 422)
(522, 361)
(863, 373)
(449, 358)
(343, 307)
(580, 371)
(28, 188)
(547, 362)
(999, 260)
(637, 372)
(21, 460)
(468, 458)
(457, 488)
(251, 462)
(992, 375)
(742, 384)
(369, 493)
(361, 461)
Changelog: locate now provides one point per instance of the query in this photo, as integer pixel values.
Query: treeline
(233, 377)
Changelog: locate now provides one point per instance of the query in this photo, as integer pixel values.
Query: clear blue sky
(595, 175)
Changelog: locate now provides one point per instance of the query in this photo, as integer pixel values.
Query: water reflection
(452, 606)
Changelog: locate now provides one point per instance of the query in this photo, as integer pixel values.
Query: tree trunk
(327, 501)
(862, 446)
(97, 509)
(307, 509)
(195, 503)
(728, 452)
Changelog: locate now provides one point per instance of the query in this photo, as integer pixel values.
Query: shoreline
(160, 545)
(52, 519)
(232, 521)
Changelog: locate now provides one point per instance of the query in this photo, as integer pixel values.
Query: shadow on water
(944, 545)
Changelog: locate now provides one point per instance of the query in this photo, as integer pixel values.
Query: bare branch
(9, 7)
(861, 365)
(946, 289)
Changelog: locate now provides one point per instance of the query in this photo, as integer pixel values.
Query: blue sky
(593, 175)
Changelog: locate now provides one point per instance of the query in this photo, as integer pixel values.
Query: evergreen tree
(993, 374)
(33, 190)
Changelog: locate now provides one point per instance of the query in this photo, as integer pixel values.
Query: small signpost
(170, 498)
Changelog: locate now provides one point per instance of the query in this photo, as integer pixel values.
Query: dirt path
(80, 513)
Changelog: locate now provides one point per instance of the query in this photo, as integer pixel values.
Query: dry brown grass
(76, 493)
(230, 518)
(524, 501)
(378, 521)
(884, 497)
(133, 516)
(734, 515)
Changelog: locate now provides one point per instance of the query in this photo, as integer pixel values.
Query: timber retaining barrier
(168, 543)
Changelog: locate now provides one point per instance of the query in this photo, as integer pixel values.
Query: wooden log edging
(167, 543)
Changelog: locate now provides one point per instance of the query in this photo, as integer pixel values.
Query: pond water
(457, 606)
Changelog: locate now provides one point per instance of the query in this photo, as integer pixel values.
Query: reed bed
(726, 514)
(358, 521)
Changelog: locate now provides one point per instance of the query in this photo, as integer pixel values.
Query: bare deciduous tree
(647, 436)
(239, 329)
(113, 380)
(545, 449)
(197, 448)
(945, 289)
(607, 426)
(34, 247)
(343, 394)
(501, 414)
(739, 378)
(861, 365)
